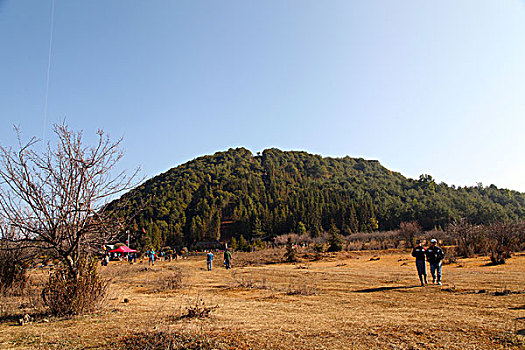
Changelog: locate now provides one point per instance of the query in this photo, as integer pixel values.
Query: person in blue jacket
(209, 260)
(151, 256)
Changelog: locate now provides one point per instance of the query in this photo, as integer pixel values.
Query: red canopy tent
(123, 249)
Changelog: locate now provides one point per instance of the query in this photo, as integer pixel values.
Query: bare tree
(471, 239)
(503, 239)
(408, 231)
(56, 199)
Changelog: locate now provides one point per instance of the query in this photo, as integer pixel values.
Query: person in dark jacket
(434, 257)
(227, 259)
(419, 253)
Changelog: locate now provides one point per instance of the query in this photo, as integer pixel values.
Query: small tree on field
(502, 239)
(243, 245)
(408, 231)
(471, 239)
(290, 254)
(55, 200)
(234, 245)
(335, 240)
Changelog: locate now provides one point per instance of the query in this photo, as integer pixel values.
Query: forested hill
(239, 193)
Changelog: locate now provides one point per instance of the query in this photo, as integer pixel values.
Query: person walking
(434, 257)
(419, 253)
(227, 259)
(209, 260)
(151, 257)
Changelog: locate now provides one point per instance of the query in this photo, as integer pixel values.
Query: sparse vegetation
(67, 294)
(502, 240)
(409, 231)
(171, 281)
(162, 340)
(53, 203)
(285, 306)
(471, 239)
(197, 310)
(13, 267)
(290, 255)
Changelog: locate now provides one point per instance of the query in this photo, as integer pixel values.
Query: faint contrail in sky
(51, 26)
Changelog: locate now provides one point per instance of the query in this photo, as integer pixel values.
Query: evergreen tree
(335, 240)
(273, 193)
(290, 254)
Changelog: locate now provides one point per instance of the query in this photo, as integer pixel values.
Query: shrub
(502, 240)
(471, 239)
(168, 340)
(13, 277)
(301, 287)
(72, 294)
(173, 281)
(335, 240)
(318, 248)
(408, 231)
(290, 254)
(199, 310)
(243, 245)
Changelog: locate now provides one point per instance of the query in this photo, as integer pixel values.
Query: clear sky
(434, 87)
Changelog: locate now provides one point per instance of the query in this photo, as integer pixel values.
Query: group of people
(434, 255)
(227, 259)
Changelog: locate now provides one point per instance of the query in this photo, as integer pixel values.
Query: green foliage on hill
(236, 193)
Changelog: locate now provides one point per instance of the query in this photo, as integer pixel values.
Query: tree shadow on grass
(382, 289)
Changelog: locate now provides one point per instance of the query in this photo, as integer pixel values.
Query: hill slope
(276, 192)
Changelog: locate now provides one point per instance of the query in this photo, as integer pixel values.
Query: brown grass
(345, 301)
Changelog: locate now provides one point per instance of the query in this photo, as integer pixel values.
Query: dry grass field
(344, 301)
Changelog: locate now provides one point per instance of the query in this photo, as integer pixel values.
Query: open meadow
(348, 300)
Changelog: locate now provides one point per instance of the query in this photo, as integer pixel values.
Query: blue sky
(434, 87)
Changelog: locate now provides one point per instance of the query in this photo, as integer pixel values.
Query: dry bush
(408, 231)
(302, 286)
(66, 294)
(471, 239)
(199, 309)
(451, 256)
(372, 240)
(303, 239)
(249, 282)
(13, 276)
(521, 236)
(443, 237)
(354, 245)
(161, 340)
(172, 281)
(15, 305)
(502, 240)
(291, 254)
(243, 280)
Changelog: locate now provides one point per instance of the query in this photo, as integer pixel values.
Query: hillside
(237, 193)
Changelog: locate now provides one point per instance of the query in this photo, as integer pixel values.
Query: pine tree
(335, 240)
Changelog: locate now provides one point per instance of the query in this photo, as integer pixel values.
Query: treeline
(236, 193)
